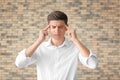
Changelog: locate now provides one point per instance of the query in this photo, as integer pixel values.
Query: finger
(46, 28)
(46, 33)
(66, 26)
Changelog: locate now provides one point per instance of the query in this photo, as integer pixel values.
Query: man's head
(57, 15)
(57, 21)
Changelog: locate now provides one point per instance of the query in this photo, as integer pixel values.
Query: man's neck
(57, 42)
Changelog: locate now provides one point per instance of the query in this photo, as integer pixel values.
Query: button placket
(55, 61)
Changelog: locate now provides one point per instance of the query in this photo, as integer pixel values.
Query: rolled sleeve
(91, 61)
(21, 60)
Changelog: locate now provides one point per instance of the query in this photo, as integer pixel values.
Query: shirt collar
(65, 43)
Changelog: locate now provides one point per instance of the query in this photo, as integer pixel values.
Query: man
(57, 58)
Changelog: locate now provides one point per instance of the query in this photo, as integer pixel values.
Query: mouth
(56, 35)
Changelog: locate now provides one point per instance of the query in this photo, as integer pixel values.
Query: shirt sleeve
(23, 61)
(91, 61)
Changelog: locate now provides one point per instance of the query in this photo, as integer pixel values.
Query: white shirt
(56, 63)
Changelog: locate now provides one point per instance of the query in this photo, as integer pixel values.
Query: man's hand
(43, 33)
(71, 33)
(31, 49)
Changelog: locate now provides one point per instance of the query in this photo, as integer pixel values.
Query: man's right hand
(31, 49)
(43, 33)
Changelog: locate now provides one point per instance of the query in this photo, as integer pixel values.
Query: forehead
(56, 23)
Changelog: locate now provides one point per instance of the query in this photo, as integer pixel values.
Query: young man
(57, 58)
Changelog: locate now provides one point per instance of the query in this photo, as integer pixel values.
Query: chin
(57, 38)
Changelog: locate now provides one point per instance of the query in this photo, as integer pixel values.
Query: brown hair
(57, 15)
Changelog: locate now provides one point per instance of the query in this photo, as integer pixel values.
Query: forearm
(43, 33)
(30, 50)
(83, 50)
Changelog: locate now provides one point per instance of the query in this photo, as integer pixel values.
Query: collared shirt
(56, 63)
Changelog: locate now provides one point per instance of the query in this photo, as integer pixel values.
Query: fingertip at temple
(46, 27)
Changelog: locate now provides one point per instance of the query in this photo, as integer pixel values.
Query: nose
(56, 30)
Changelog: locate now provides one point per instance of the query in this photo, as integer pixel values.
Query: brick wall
(97, 23)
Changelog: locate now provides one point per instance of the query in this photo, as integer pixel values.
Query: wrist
(39, 41)
(75, 40)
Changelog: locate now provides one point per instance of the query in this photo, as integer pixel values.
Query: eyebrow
(58, 26)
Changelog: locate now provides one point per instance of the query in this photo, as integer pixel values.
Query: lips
(56, 34)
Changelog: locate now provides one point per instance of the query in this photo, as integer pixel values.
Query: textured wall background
(97, 23)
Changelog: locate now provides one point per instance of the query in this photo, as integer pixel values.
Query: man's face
(57, 29)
